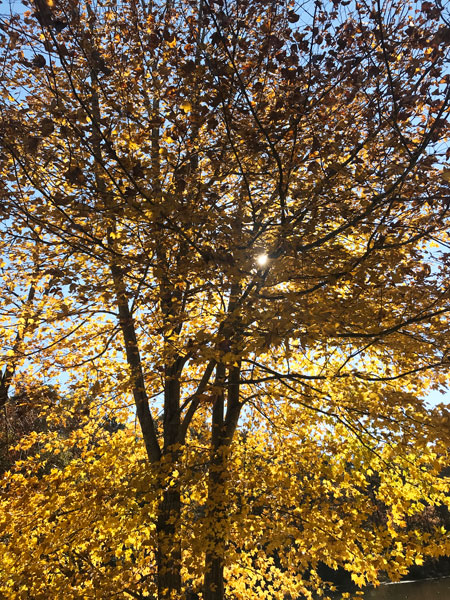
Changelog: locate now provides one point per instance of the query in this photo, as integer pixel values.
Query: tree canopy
(225, 248)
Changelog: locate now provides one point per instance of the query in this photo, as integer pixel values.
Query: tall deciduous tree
(227, 210)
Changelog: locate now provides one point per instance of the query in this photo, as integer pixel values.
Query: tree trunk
(168, 523)
(169, 547)
(214, 586)
(217, 508)
(216, 523)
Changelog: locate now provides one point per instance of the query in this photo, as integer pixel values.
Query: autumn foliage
(225, 280)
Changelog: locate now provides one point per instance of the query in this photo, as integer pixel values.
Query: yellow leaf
(186, 106)
(358, 579)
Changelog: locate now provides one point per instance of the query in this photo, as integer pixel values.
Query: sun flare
(262, 260)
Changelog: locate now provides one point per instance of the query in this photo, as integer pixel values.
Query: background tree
(233, 207)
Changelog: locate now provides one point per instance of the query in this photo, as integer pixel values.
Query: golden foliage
(219, 423)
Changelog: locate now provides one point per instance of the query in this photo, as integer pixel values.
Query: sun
(262, 260)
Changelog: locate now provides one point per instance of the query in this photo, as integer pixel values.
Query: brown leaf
(75, 175)
(47, 126)
(32, 143)
(38, 61)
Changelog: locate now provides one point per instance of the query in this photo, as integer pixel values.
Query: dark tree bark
(223, 429)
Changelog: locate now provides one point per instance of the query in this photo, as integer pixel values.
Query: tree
(225, 211)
